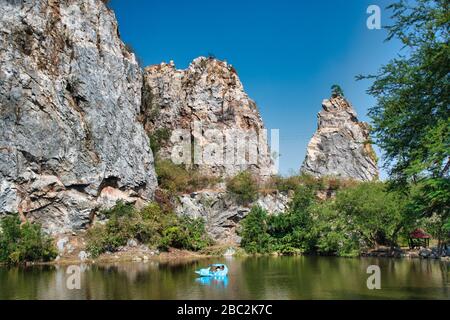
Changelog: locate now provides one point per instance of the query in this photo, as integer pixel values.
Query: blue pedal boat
(214, 270)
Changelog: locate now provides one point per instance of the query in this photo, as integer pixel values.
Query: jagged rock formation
(341, 145)
(70, 97)
(222, 214)
(208, 92)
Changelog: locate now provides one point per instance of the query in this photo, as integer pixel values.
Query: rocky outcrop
(341, 145)
(220, 127)
(70, 98)
(222, 214)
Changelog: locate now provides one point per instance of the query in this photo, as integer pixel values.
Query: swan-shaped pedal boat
(214, 270)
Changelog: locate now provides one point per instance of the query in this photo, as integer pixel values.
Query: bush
(152, 226)
(243, 187)
(255, 238)
(115, 233)
(188, 233)
(124, 223)
(24, 243)
(175, 178)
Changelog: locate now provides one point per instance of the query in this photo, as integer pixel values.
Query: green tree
(332, 232)
(255, 238)
(376, 214)
(336, 91)
(290, 231)
(411, 117)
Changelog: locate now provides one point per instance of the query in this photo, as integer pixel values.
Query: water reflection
(248, 278)
(218, 282)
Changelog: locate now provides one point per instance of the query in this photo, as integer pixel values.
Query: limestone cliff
(210, 94)
(222, 214)
(70, 97)
(341, 145)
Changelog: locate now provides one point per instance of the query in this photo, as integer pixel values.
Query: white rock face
(222, 214)
(70, 97)
(209, 93)
(340, 147)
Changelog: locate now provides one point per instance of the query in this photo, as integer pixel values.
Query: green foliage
(361, 217)
(430, 196)
(24, 243)
(158, 139)
(255, 238)
(290, 230)
(115, 232)
(188, 233)
(438, 227)
(243, 187)
(336, 91)
(286, 233)
(175, 178)
(331, 233)
(374, 213)
(152, 226)
(411, 119)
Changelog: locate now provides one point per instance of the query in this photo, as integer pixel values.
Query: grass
(176, 179)
(243, 187)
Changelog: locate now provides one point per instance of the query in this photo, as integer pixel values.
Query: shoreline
(184, 256)
(72, 250)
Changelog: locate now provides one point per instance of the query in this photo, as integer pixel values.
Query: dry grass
(176, 179)
(291, 183)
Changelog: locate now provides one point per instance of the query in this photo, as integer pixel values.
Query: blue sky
(287, 53)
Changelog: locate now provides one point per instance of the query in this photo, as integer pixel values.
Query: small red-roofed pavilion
(419, 238)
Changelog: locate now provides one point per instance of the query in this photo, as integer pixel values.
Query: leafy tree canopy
(411, 117)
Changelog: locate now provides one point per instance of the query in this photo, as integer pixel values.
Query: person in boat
(218, 268)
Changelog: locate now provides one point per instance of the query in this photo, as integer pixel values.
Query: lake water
(249, 278)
